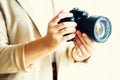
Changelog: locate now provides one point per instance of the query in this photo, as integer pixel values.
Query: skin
(82, 44)
(83, 47)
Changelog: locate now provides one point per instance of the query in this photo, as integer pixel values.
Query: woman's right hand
(56, 31)
(54, 37)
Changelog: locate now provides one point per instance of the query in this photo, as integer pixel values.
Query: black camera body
(98, 28)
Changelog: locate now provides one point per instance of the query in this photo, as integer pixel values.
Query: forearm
(37, 49)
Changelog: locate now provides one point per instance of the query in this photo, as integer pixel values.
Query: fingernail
(84, 34)
(78, 32)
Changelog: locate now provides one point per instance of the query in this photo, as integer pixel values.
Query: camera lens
(102, 29)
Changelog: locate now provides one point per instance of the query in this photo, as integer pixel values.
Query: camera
(98, 28)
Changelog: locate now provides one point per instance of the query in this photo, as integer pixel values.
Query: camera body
(98, 28)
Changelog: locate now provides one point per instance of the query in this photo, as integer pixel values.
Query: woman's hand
(83, 47)
(56, 31)
(54, 37)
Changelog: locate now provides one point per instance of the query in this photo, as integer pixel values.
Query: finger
(78, 51)
(84, 43)
(66, 25)
(60, 16)
(88, 43)
(81, 46)
(68, 37)
(78, 56)
(66, 31)
(88, 40)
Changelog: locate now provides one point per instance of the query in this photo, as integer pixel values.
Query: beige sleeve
(12, 59)
(11, 55)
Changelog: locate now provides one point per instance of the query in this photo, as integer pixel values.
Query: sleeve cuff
(20, 59)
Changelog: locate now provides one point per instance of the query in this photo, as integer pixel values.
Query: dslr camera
(98, 28)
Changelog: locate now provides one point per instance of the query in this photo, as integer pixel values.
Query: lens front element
(102, 29)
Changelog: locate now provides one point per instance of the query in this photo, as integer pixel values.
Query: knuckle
(65, 30)
(63, 24)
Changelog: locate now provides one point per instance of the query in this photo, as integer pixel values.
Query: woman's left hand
(83, 47)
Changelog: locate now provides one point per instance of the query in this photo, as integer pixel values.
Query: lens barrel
(98, 28)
